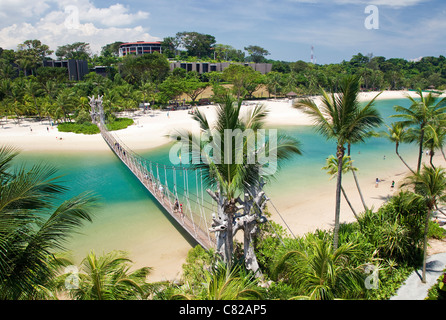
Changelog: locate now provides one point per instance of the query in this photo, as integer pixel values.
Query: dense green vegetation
(27, 89)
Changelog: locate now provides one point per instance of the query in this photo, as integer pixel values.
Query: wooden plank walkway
(149, 181)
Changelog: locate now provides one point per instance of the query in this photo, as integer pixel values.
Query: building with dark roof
(203, 67)
(77, 69)
(139, 47)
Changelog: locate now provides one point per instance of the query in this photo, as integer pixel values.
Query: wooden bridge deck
(150, 183)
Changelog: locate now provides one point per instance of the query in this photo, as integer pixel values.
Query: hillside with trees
(28, 89)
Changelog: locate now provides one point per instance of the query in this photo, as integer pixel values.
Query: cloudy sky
(337, 29)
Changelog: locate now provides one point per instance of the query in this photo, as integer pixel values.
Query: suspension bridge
(178, 189)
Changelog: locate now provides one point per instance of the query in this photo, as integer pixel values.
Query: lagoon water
(130, 220)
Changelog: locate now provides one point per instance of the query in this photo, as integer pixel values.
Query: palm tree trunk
(359, 190)
(356, 182)
(426, 228)
(340, 154)
(431, 157)
(349, 204)
(401, 158)
(420, 150)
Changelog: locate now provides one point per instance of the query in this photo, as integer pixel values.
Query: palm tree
(320, 271)
(107, 277)
(399, 133)
(430, 185)
(32, 231)
(421, 113)
(332, 170)
(435, 138)
(229, 168)
(33, 89)
(340, 117)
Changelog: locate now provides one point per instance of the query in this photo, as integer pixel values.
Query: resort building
(77, 69)
(203, 67)
(139, 47)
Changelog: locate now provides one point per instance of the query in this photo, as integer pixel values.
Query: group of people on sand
(377, 181)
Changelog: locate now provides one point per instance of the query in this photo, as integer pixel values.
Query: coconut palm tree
(430, 185)
(332, 170)
(398, 133)
(231, 168)
(32, 230)
(421, 113)
(107, 277)
(435, 138)
(340, 117)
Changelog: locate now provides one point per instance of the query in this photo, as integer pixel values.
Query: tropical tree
(33, 230)
(420, 114)
(430, 185)
(398, 133)
(341, 117)
(321, 272)
(107, 277)
(332, 169)
(230, 168)
(435, 139)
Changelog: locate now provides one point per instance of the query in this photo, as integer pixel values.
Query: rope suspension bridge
(178, 189)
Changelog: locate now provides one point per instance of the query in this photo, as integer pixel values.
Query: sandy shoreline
(302, 212)
(150, 129)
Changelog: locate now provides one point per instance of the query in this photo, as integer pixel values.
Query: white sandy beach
(302, 212)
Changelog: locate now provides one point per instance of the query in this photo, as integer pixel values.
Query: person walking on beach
(393, 184)
(376, 183)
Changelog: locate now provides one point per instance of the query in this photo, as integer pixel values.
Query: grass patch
(119, 124)
(84, 128)
(90, 128)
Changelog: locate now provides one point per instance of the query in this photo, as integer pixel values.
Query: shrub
(119, 123)
(84, 128)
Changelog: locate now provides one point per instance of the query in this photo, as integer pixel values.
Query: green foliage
(438, 291)
(33, 228)
(435, 231)
(84, 128)
(119, 124)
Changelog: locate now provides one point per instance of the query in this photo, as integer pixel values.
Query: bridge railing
(194, 223)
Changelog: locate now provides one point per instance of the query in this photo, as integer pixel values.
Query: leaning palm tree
(399, 133)
(430, 185)
(429, 109)
(332, 169)
(32, 229)
(231, 152)
(341, 117)
(435, 135)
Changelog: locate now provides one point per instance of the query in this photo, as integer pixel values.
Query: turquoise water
(130, 220)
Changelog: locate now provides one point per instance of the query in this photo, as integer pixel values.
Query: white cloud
(69, 22)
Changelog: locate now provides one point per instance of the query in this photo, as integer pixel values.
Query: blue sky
(407, 29)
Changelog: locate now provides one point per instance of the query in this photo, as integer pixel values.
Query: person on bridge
(181, 210)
